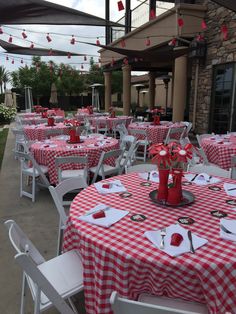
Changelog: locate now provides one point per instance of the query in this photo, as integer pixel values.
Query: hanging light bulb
(180, 22)
(85, 58)
(68, 55)
(10, 39)
(72, 41)
(12, 61)
(49, 39)
(21, 61)
(203, 25)
(120, 5)
(98, 41)
(24, 34)
(32, 45)
(148, 41)
(1, 31)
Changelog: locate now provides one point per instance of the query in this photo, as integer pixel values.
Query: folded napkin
(155, 238)
(112, 215)
(201, 178)
(228, 187)
(151, 176)
(110, 187)
(230, 225)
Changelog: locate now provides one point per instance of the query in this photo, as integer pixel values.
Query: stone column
(126, 69)
(180, 88)
(107, 80)
(152, 90)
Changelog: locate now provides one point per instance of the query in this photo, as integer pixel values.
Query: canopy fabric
(20, 50)
(44, 12)
(229, 4)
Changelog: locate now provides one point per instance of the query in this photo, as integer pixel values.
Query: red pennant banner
(172, 42)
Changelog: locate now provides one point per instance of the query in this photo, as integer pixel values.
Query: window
(223, 99)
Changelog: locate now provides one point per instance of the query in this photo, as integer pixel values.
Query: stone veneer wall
(218, 52)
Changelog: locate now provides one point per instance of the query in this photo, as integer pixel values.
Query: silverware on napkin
(163, 234)
(194, 177)
(231, 189)
(148, 176)
(191, 241)
(226, 230)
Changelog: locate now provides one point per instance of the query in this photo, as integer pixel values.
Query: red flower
(183, 154)
(161, 155)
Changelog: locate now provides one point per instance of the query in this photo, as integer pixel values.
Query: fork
(163, 234)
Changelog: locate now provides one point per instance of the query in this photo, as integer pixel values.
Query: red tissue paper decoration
(98, 41)
(1, 31)
(72, 40)
(172, 42)
(85, 58)
(24, 34)
(122, 43)
(148, 42)
(69, 55)
(224, 31)
(10, 39)
(152, 14)
(203, 25)
(48, 38)
(180, 22)
(21, 61)
(120, 5)
(32, 45)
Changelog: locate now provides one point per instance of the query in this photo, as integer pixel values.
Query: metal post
(127, 17)
(152, 7)
(107, 17)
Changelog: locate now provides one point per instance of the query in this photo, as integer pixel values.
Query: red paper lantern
(152, 14)
(120, 5)
(180, 22)
(7, 58)
(32, 45)
(122, 43)
(97, 41)
(1, 31)
(12, 61)
(85, 58)
(72, 40)
(21, 61)
(49, 39)
(24, 34)
(68, 55)
(148, 42)
(203, 25)
(10, 39)
(82, 66)
(224, 31)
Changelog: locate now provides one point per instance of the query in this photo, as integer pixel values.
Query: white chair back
(141, 168)
(174, 134)
(212, 170)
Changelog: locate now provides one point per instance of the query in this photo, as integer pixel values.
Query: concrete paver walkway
(39, 220)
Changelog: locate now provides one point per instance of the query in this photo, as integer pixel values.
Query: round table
(93, 145)
(121, 258)
(155, 133)
(39, 131)
(35, 120)
(29, 115)
(110, 122)
(219, 149)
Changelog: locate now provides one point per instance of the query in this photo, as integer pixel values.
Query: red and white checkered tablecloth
(38, 132)
(45, 155)
(29, 115)
(155, 133)
(111, 122)
(219, 153)
(120, 257)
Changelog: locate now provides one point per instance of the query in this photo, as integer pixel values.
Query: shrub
(7, 113)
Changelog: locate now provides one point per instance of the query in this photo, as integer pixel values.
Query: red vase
(156, 120)
(72, 136)
(51, 121)
(175, 194)
(162, 193)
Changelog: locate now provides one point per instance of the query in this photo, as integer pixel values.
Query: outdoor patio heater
(95, 96)
(28, 99)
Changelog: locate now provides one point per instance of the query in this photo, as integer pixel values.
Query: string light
(24, 34)
(10, 39)
(49, 39)
(32, 45)
(72, 41)
(98, 41)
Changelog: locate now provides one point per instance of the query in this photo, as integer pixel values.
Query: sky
(62, 42)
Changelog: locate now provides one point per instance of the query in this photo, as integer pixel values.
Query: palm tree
(4, 78)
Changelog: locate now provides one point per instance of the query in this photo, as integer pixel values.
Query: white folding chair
(122, 130)
(50, 282)
(174, 134)
(141, 135)
(212, 170)
(19, 140)
(57, 194)
(141, 168)
(101, 126)
(31, 169)
(53, 132)
(103, 169)
(64, 166)
(233, 167)
(160, 306)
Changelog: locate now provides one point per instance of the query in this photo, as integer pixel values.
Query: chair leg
(33, 189)
(59, 240)
(73, 306)
(37, 301)
(23, 293)
(145, 153)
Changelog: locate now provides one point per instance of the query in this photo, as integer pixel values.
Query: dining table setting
(45, 151)
(220, 148)
(35, 132)
(134, 243)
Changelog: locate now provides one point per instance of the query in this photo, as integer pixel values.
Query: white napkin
(201, 178)
(155, 238)
(112, 216)
(115, 186)
(230, 225)
(228, 186)
(154, 176)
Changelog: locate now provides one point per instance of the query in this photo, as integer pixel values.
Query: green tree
(4, 78)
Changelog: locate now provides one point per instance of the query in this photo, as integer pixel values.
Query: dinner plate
(188, 198)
